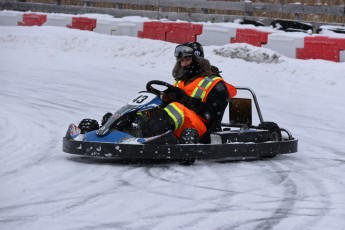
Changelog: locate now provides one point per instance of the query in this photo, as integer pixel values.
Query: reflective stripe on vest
(200, 91)
(176, 114)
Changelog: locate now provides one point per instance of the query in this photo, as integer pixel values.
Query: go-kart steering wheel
(150, 88)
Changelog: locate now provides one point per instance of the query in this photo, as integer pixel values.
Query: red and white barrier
(294, 45)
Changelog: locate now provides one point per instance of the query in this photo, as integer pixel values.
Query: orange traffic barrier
(250, 36)
(33, 20)
(154, 30)
(171, 31)
(321, 47)
(183, 32)
(83, 23)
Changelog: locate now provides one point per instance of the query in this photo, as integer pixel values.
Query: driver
(197, 101)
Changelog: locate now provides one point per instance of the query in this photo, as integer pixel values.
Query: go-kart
(121, 138)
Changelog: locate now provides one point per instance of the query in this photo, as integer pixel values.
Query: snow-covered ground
(50, 77)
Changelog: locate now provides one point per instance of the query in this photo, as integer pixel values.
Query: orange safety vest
(200, 87)
(184, 117)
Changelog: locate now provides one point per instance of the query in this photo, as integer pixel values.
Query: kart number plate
(142, 99)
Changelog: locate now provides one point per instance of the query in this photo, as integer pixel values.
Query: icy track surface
(51, 77)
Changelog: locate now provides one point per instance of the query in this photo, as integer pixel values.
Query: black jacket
(212, 110)
(217, 100)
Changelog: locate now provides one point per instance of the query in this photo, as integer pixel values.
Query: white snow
(51, 77)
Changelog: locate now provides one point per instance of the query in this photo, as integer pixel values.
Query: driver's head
(184, 55)
(189, 61)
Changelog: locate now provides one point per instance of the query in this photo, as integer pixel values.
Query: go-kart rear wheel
(274, 134)
(273, 130)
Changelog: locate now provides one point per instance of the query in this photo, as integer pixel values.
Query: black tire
(273, 129)
(274, 134)
(87, 125)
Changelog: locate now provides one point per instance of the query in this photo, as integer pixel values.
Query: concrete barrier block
(10, 18)
(216, 35)
(105, 26)
(342, 56)
(128, 29)
(119, 28)
(285, 43)
(58, 20)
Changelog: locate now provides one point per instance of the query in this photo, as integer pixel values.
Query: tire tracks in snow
(296, 197)
(286, 202)
(165, 178)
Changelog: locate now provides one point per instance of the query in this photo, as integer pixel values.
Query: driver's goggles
(183, 51)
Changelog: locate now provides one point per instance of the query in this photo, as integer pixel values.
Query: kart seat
(240, 112)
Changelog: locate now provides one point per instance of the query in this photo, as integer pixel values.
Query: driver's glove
(105, 118)
(174, 94)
